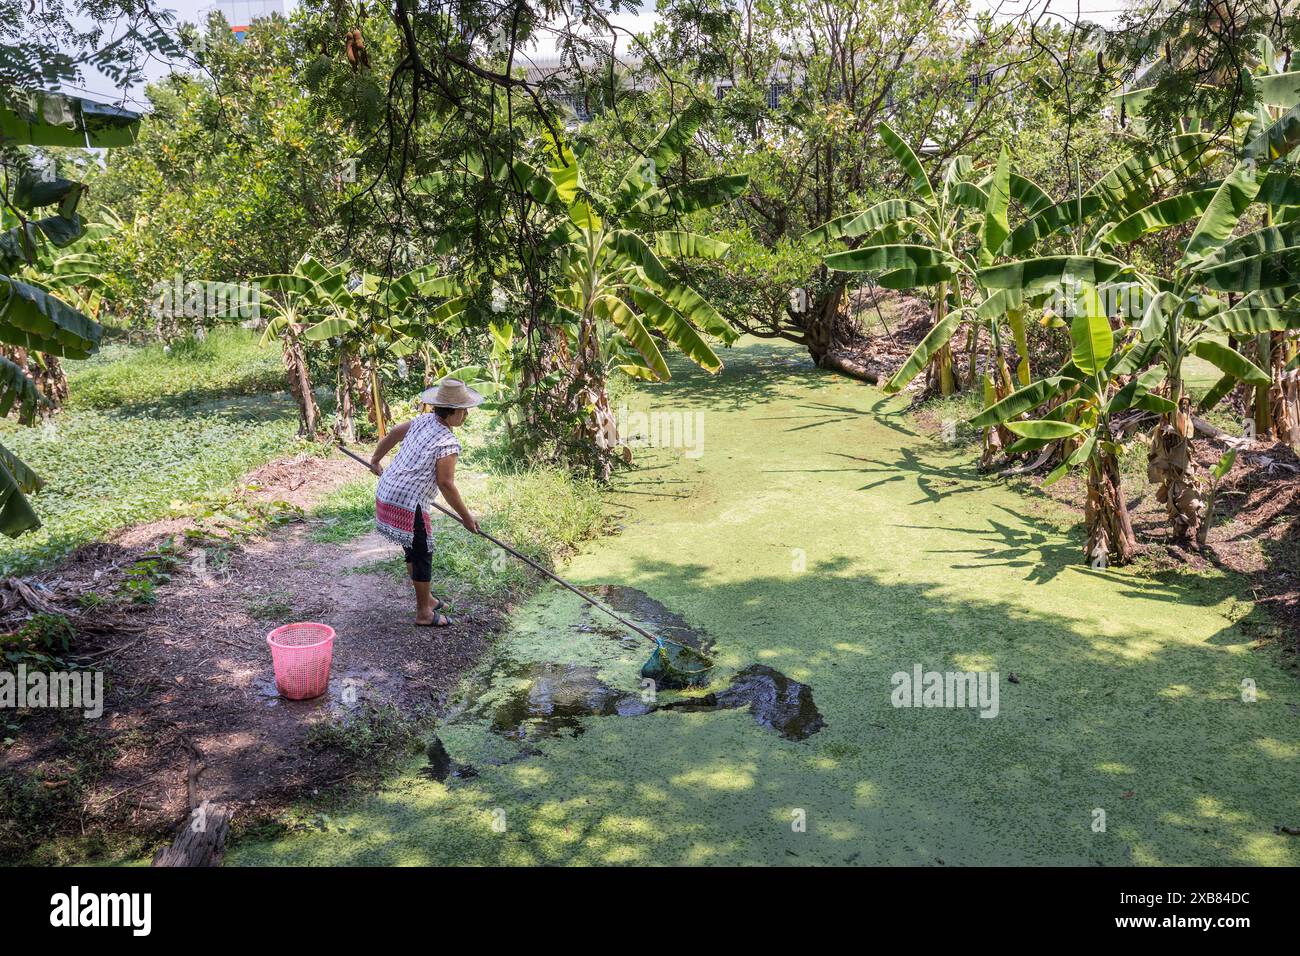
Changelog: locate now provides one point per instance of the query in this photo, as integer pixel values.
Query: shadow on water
(550, 698)
(644, 611)
(775, 702)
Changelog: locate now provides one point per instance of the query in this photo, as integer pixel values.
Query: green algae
(820, 535)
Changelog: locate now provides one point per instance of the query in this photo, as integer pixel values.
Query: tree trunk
(1263, 411)
(378, 405)
(46, 373)
(939, 375)
(345, 426)
(198, 845)
(1172, 465)
(819, 328)
(1284, 394)
(1110, 530)
(846, 366)
(295, 366)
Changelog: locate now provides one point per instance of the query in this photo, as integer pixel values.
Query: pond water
(817, 548)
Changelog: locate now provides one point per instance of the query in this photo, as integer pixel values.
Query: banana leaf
(1043, 429)
(689, 245)
(1169, 212)
(1048, 221)
(1223, 213)
(16, 515)
(1019, 402)
(886, 258)
(911, 165)
(675, 328)
(996, 228)
(925, 350)
(696, 194)
(39, 322)
(869, 220)
(1049, 273)
(626, 321)
(1093, 341)
(1270, 270)
(1230, 361)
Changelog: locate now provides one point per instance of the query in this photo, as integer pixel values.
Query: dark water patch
(556, 697)
(774, 700)
(347, 691)
(646, 612)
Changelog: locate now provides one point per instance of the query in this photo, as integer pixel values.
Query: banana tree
(28, 246)
(363, 315)
(34, 325)
(1182, 315)
(938, 238)
(1261, 184)
(1082, 399)
(289, 305)
(32, 318)
(80, 274)
(618, 299)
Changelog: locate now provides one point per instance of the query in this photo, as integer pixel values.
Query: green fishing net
(674, 666)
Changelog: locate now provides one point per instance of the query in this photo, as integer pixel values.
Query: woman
(425, 465)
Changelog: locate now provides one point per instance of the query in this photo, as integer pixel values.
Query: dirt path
(819, 536)
(191, 694)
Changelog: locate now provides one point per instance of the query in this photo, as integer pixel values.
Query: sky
(98, 87)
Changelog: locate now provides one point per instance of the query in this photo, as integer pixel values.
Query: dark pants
(417, 555)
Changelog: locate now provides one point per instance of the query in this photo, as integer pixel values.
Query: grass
(542, 512)
(954, 413)
(228, 362)
(146, 435)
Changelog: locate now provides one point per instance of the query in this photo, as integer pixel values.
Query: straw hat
(451, 393)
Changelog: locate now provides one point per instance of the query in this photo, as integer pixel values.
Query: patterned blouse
(412, 480)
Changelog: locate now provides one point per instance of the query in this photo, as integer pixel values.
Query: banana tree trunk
(1284, 393)
(599, 427)
(972, 355)
(51, 379)
(1182, 483)
(295, 366)
(1110, 529)
(378, 408)
(939, 376)
(345, 425)
(45, 371)
(1263, 411)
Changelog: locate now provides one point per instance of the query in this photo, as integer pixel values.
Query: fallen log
(201, 841)
(847, 366)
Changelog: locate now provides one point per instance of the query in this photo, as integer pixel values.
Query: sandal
(439, 620)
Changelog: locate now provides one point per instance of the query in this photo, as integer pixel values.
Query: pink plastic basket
(301, 654)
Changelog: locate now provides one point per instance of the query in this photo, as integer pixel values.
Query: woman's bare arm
(447, 485)
(396, 434)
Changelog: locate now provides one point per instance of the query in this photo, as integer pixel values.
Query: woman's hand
(470, 523)
(376, 467)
